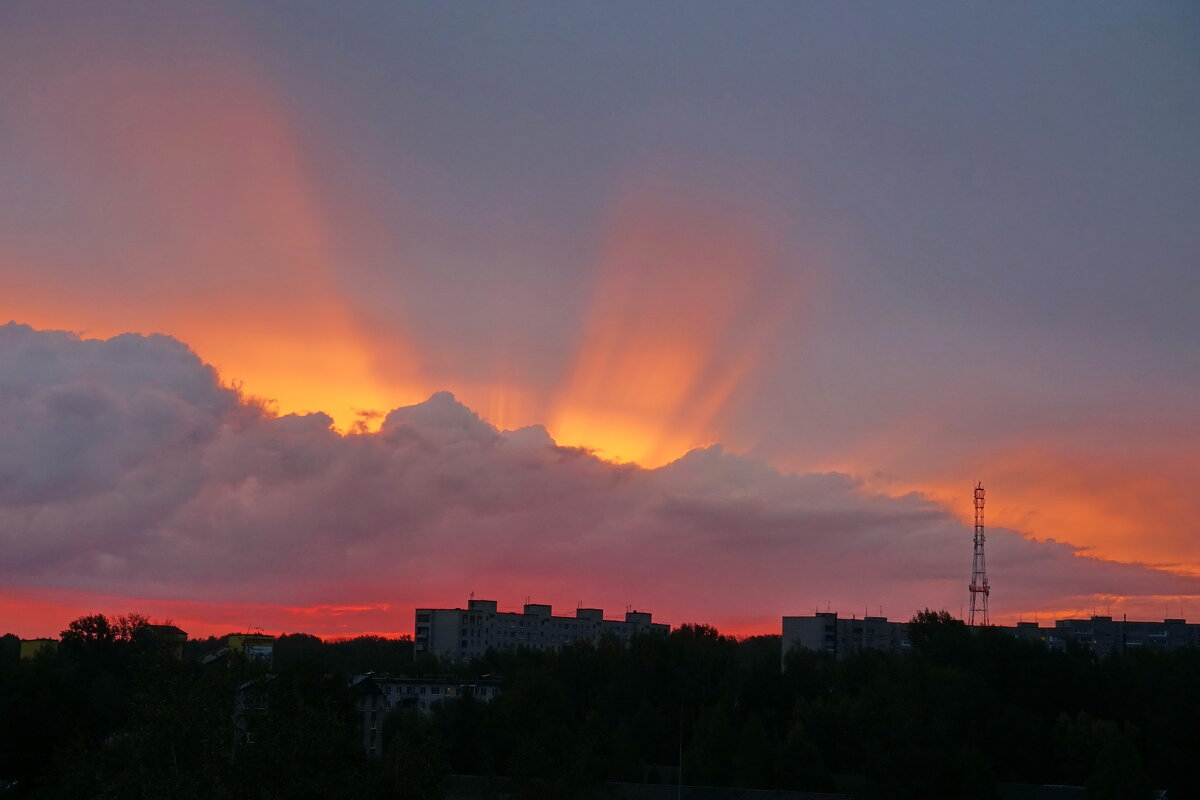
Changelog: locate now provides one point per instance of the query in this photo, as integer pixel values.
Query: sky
(321, 312)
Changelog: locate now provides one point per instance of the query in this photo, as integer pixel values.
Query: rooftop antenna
(979, 581)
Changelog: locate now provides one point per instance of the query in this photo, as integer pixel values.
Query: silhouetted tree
(415, 758)
(940, 637)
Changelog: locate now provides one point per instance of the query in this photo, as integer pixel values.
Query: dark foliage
(111, 716)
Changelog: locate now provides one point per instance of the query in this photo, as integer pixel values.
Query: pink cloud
(130, 471)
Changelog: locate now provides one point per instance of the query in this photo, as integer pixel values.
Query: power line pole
(979, 581)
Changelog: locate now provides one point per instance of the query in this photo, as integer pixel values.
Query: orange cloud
(1127, 505)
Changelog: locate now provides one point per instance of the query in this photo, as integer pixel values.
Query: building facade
(458, 634)
(829, 633)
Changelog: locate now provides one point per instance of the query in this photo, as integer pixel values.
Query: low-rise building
(460, 634)
(169, 638)
(32, 648)
(378, 694)
(244, 648)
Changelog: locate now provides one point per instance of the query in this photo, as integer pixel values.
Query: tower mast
(979, 582)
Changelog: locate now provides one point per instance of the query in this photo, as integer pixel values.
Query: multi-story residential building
(377, 694)
(825, 631)
(460, 634)
(1102, 635)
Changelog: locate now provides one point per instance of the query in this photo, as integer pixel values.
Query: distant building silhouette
(458, 634)
(827, 632)
(170, 638)
(1103, 635)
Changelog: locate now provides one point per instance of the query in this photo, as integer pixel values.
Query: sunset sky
(323, 311)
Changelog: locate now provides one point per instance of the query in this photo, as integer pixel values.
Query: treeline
(113, 717)
(351, 656)
(964, 711)
(114, 714)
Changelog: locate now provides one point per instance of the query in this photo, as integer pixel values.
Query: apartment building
(459, 634)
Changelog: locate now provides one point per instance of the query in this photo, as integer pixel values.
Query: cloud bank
(129, 470)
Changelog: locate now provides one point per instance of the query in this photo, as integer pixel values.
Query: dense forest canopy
(110, 714)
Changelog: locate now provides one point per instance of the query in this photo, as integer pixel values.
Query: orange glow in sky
(239, 255)
(1113, 507)
(667, 340)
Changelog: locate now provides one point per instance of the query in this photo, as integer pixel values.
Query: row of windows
(392, 689)
(537, 623)
(481, 691)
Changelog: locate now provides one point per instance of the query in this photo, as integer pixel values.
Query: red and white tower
(979, 580)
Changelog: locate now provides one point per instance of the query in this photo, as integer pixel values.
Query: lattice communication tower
(979, 581)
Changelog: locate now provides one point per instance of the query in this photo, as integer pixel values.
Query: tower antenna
(979, 581)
